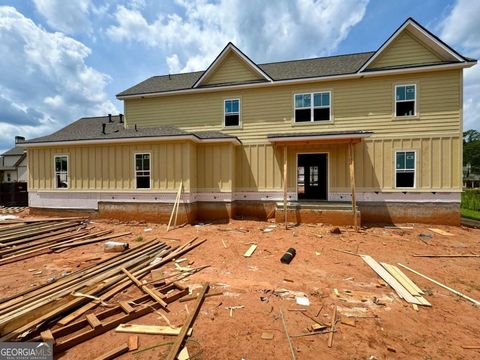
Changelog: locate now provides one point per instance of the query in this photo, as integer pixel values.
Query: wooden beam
(285, 185)
(351, 156)
(176, 347)
(152, 292)
(442, 285)
(113, 354)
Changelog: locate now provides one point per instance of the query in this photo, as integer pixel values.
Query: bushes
(471, 200)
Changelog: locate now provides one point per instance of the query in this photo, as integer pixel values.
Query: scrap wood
(94, 298)
(112, 354)
(442, 285)
(332, 327)
(471, 347)
(314, 333)
(292, 352)
(188, 323)
(147, 329)
(195, 296)
(232, 308)
(250, 250)
(390, 280)
(346, 252)
(150, 291)
(440, 231)
(447, 255)
(175, 207)
(133, 343)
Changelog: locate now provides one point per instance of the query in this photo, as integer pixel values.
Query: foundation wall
(396, 212)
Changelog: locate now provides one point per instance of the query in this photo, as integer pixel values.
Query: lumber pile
(404, 287)
(65, 301)
(21, 240)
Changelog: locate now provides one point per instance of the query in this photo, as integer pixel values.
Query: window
(61, 171)
(232, 112)
(142, 171)
(405, 169)
(312, 107)
(405, 100)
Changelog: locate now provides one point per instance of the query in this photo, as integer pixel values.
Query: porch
(312, 185)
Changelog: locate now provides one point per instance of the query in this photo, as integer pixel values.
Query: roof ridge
(273, 62)
(319, 57)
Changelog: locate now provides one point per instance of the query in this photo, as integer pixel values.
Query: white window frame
(55, 171)
(313, 107)
(414, 168)
(397, 101)
(135, 169)
(239, 113)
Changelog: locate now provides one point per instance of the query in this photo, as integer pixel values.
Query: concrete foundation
(397, 212)
(334, 214)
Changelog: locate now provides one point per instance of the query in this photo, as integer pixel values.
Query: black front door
(312, 175)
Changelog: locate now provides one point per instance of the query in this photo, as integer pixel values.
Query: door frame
(328, 170)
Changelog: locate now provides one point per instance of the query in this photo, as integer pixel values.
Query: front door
(312, 175)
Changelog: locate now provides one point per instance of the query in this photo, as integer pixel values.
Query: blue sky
(61, 60)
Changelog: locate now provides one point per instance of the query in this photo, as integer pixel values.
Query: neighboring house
(235, 134)
(13, 165)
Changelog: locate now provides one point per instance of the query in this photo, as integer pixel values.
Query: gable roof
(424, 36)
(284, 70)
(321, 68)
(90, 129)
(218, 60)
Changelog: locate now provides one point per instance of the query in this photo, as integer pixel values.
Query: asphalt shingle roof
(285, 70)
(15, 151)
(90, 128)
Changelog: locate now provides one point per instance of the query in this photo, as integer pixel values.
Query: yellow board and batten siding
(231, 69)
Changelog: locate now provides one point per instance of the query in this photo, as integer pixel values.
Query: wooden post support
(351, 156)
(285, 185)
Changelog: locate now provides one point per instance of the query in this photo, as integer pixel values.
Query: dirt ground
(392, 329)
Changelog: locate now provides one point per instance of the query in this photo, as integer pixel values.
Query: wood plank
(93, 321)
(401, 273)
(440, 231)
(133, 343)
(442, 285)
(112, 354)
(47, 336)
(188, 324)
(447, 255)
(250, 250)
(125, 306)
(402, 281)
(152, 292)
(332, 327)
(183, 354)
(390, 280)
(148, 329)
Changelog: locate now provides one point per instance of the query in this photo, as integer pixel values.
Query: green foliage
(139, 238)
(470, 214)
(471, 200)
(471, 150)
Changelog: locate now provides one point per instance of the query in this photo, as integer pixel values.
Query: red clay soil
(391, 329)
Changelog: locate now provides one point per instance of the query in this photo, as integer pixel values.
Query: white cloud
(44, 81)
(265, 30)
(460, 29)
(68, 16)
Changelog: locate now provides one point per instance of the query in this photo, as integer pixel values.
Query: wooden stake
(175, 206)
(351, 156)
(442, 285)
(285, 185)
(332, 327)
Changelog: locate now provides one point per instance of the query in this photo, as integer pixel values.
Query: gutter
(193, 138)
(356, 75)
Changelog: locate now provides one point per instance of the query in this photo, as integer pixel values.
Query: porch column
(285, 186)
(351, 156)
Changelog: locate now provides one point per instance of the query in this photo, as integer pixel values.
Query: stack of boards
(404, 287)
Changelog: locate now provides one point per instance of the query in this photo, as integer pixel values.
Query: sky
(64, 59)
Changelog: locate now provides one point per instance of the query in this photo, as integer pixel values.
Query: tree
(471, 150)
